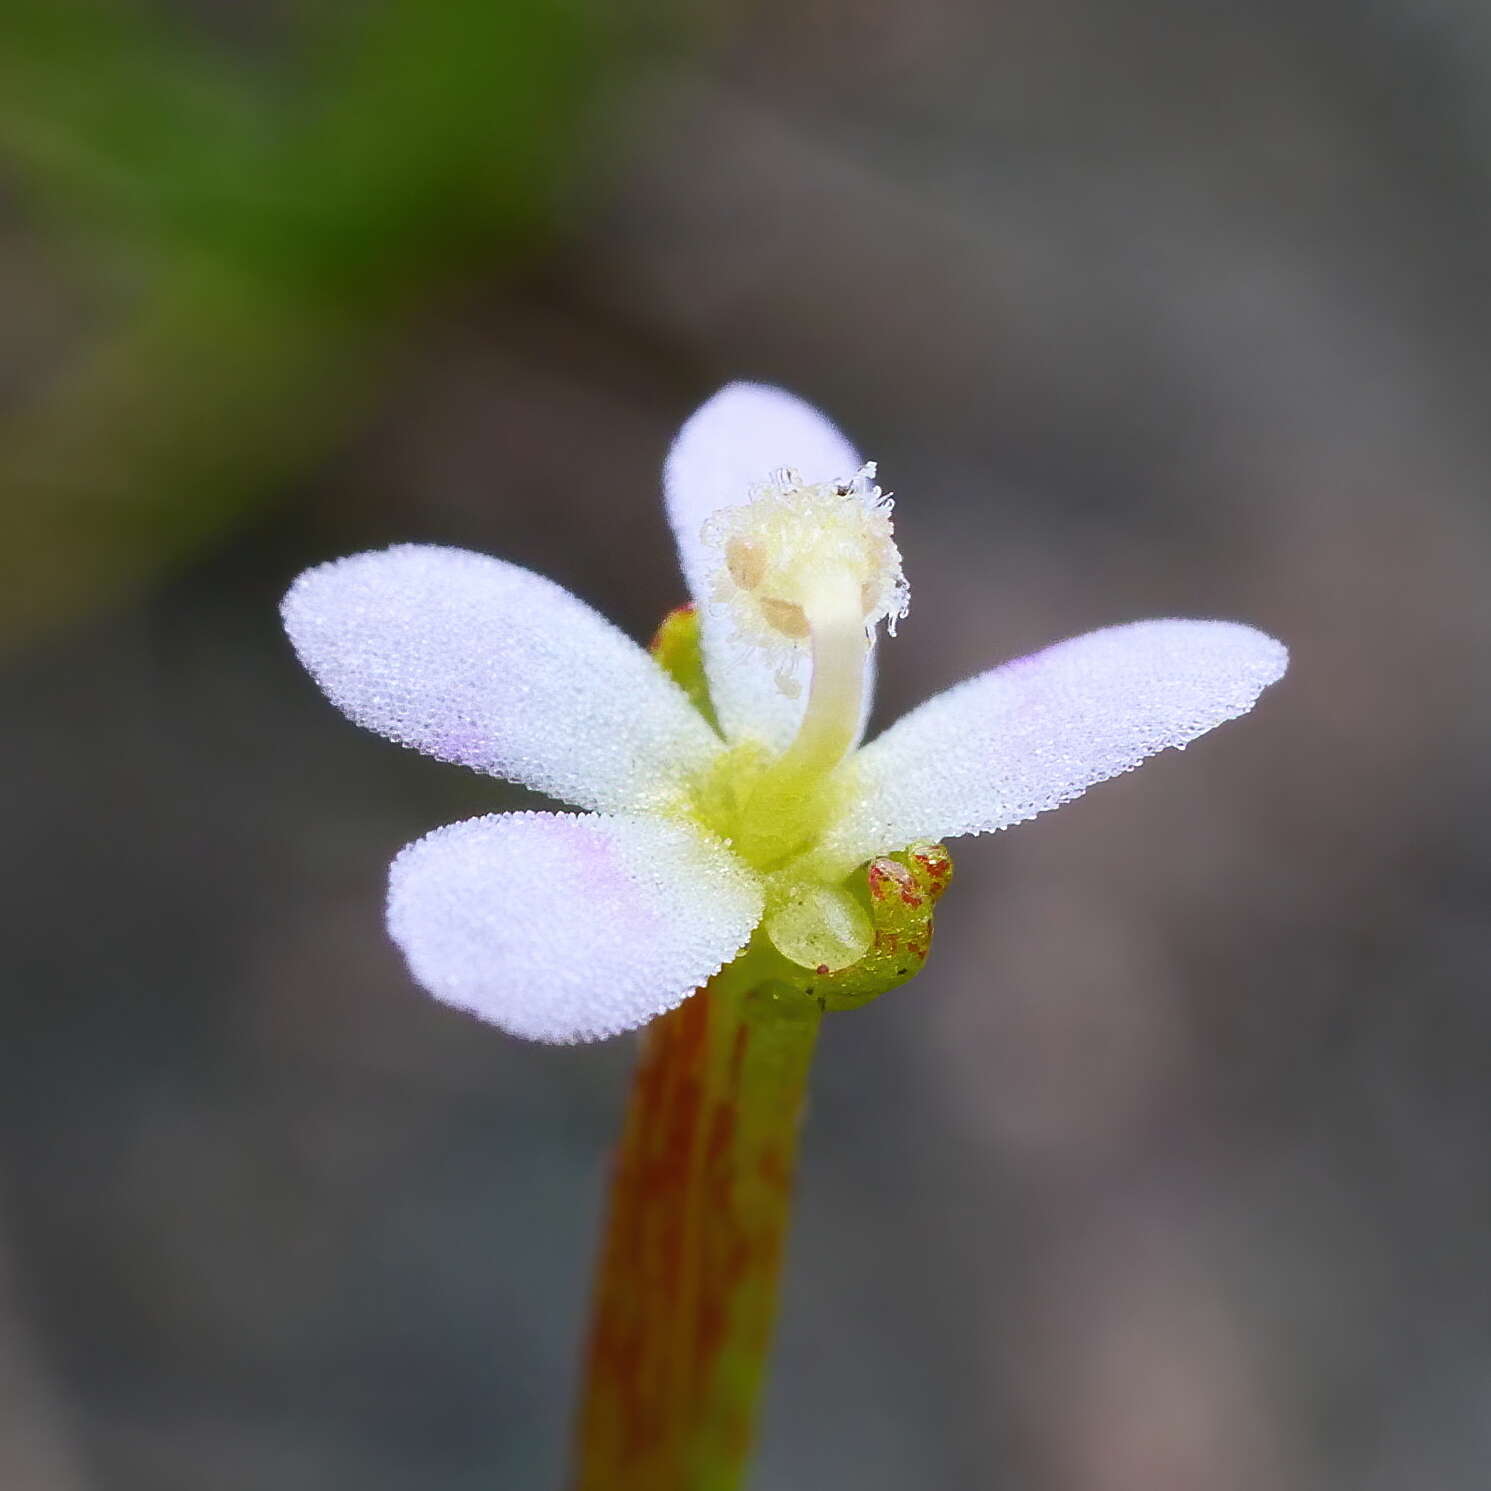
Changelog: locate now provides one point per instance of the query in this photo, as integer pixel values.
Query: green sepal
(901, 890)
(677, 649)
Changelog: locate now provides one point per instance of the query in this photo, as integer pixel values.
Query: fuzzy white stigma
(792, 544)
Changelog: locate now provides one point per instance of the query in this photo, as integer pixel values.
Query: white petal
(568, 927)
(1038, 732)
(733, 442)
(480, 662)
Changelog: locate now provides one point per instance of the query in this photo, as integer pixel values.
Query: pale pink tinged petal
(1040, 731)
(569, 927)
(480, 662)
(730, 444)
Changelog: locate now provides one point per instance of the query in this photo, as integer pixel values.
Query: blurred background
(1174, 1169)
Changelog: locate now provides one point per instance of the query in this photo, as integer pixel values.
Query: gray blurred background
(1171, 1172)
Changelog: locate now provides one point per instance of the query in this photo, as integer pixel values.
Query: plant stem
(687, 1284)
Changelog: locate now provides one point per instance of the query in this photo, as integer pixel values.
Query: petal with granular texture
(1040, 731)
(569, 927)
(731, 443)
(480, 662)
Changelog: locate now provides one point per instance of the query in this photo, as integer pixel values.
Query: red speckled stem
(687, 1285)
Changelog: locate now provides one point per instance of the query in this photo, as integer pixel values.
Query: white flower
(699, 831)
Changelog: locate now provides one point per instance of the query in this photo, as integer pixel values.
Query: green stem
(687, 1285)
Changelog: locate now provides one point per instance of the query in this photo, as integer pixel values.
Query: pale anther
(746, 561)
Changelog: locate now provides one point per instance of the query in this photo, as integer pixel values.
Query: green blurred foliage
(269, 222)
